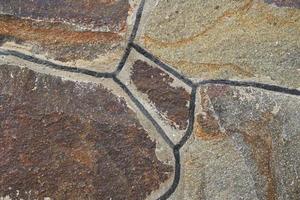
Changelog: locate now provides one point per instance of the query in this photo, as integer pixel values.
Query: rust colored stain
(285, 3)
(167, 99)
(61, 40)
(207, 126)
(67, 140)
(217, 91)
(211, 68)
(51, 33)
(258, 137)
(91, 14)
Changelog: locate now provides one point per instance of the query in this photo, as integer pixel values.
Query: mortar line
(144, 111)
(157, 61)
(131, 38)
(264, 86)
(176, 148)
(52, 65)
(190, 128)
(270, 87)
(181, 143)
(176, 179)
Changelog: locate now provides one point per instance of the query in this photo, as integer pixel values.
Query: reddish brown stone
(68, 140)
(285, 3)
(67, 30)
(167, 99)
(207, 126)
(61, 41)
(88, 13)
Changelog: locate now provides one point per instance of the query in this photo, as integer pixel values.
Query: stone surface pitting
(258, 165)
(241, 40)
(68, 140)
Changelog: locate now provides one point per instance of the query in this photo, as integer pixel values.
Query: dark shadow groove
(131, 38)
(169, 69)
(56, 66)
(190, 128)
(176, 179)
(264, 86)
(145, 112)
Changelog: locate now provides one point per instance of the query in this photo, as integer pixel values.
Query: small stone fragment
(168, 100)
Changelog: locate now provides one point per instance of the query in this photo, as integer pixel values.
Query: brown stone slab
(63, 43)
(85, 34)
(92, 14)
(71, 140)
(168, 99)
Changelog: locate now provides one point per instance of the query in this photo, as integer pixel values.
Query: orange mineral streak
(149, 41)
(256, 134)
(213, 68)
(258, 137)
(207, 126)
(51, 33)
(203, 134)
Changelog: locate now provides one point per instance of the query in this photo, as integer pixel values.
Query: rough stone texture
(207, 122)
(169, 100)
(285, 3)
(245, 144)
(71, 140)
(108, 15)
(247, 39)
(59, 40)
(213, 170)
(266, 127)
(89, 34)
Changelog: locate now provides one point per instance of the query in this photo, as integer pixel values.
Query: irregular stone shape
(264, 128)
(108, 15)
(249, 40)
(169, 100)
(71, 140)
(64, 43)
(88, 34)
